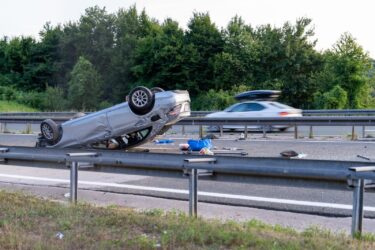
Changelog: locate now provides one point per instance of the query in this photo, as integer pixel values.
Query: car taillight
(284, 113)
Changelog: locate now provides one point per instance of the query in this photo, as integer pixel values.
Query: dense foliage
(94, 62)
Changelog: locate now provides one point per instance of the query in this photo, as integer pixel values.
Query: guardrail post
(221, 130)
(295, 132)
(73, 181)
(264, 132)
(357, 213)
(363, 131)
(359, 187)
(200, 131)
(183, 130)
(246, 132)
(193, 192)
(311, 135)
(73, 159)
(28, 128)
(3, 150)
(1, 128)
(193, 183)
(4, 128)
(353, 133)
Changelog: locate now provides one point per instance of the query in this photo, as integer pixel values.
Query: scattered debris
(363, 157)
(292, 154)
(206, 151)
(59, 235)
(289, 153)
(300, 156)
(165, 141)
(242, 136)
(217, 152)
(229, 152)
(232, 148)
(184, 146)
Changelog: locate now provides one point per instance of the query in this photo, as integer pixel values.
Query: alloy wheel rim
(47, 131)
(140, 98)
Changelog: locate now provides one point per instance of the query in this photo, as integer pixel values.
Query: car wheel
(49, 130)
(141, 100)
(156, 90)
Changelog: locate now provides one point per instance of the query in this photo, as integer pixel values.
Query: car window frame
(231, 109)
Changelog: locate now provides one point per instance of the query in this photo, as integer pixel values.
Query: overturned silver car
(146, 114)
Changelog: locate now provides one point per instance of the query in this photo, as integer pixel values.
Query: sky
(331, 18)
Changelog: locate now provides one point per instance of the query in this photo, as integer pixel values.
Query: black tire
(282, 129)
(49, 130)
(141, 100)
(156, 90)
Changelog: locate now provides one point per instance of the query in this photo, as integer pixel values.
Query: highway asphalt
(255, 146)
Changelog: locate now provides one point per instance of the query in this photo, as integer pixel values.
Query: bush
(336, 98)
(54, 99)
(7, 93)
(32, 99)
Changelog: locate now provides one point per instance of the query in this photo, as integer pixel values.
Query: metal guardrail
(314, 112)
(321, 118)
(308, 112)
(210, 121)
(261, 122)
(352, 172)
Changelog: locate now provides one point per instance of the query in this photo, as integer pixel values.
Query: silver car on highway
(146, 114)
(256, 104)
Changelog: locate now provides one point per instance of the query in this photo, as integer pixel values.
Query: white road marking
(180, 191)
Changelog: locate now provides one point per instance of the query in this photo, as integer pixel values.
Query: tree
(131, 28)
(92, 37)
(203, 37)
(287, 59)
(348, 66)
(84, 86)
(235, 65)
(161, 58)
(351, 66)
(336, 98)
(49, 55)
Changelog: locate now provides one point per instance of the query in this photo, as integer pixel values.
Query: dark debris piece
(289, 153)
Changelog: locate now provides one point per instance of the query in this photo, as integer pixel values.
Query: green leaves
(84, 86)
(129, 48)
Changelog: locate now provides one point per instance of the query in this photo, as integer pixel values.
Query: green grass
(32, 223)
(8, 106)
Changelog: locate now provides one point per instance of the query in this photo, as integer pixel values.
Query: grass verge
(7, 106)
(31, 223)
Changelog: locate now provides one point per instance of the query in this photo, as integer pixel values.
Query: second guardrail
(353, 172)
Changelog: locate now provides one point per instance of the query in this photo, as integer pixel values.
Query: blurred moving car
(258, 103)
(146, 114)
